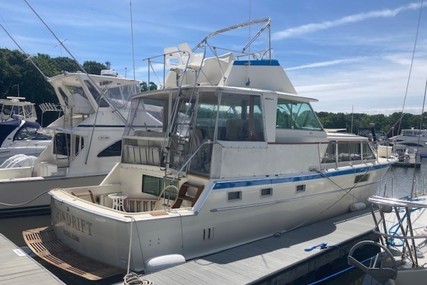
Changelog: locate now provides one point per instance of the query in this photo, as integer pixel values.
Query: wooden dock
(276, 260)
(16, 267)
(279, 259)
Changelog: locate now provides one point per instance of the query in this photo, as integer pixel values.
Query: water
(398, 182)
(12, 227)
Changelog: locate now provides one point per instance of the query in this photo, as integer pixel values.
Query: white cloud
(313, 27)
(328, 63)
(375, 88)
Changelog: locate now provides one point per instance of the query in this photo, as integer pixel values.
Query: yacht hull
(18, 192)
(213, 224)
(8, 152)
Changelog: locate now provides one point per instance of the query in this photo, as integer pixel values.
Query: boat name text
(72, 222)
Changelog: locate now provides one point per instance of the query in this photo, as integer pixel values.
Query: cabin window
(240, 118)
(120, 95)
(113, 150)
(76, 90)
(152, 185)
(155, 185)
(29, 111)
(367, 151)
(348, 151)
(235, 195)
(300, 188)
(330, 154)
(266, 192)
(7, 110)
(296, 115)
(26, 133)
(63, 95)
(361, 178)
(137, 124)
(96, 95)
(63, 144)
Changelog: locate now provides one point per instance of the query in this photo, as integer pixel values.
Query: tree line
(19, 75)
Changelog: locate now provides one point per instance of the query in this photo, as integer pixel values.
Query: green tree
(145, 88)
(93, 67)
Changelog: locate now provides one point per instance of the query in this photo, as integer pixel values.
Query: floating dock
(410, 164)
(281, 259)
(17, 267)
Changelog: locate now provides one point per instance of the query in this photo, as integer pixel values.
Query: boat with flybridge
(86, 141)
(241, 156)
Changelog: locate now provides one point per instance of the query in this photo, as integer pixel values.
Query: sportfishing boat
(14, 108)
(21, 137)
(19, 131)
(240, 157)
(86, 141)
(401, 226)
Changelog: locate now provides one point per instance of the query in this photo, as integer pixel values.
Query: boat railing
(401, 228)
(205, 57)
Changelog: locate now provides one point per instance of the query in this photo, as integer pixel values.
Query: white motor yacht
(240, 157)
(86, 141)
(415, 140)
(19, 130)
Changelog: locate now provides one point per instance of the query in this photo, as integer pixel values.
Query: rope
(320, 246)
(134, 279)
(24, 203)
(347, 192)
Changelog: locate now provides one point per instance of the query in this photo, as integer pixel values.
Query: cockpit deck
(111, 196)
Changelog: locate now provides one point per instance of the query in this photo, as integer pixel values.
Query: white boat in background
(86, 141)
(415, 140)
(21, 137)
(406, 157)
(19, 130)
(14, 108)
(240, 157)
(401, 226)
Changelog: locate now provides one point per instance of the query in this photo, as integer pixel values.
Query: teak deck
(17, 268)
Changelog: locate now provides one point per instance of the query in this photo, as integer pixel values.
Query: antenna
(59, 41)
(119, 114)
(29, 58)
(131, 30)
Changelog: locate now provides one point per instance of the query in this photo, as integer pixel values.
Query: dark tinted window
(113, 150)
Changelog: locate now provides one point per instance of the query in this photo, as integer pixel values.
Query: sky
(358, 56)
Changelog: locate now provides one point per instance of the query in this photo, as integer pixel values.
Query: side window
(235, 195)
(113, 150)
(330, 154)
(241, 115)
(296, 115)
(96, 95)
(62, 144)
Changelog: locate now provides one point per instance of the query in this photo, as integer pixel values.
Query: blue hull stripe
(263, 62)
(300, 178)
